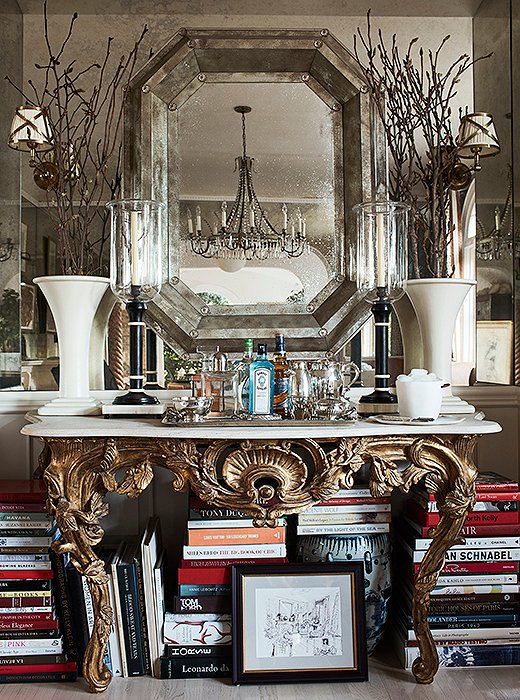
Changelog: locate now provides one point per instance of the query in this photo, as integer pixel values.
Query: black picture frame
(299, 622)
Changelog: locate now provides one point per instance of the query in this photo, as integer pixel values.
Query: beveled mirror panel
(316, 147)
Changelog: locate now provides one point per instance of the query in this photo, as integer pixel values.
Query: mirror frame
(150, 170)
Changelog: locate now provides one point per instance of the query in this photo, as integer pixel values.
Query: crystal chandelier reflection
(246, 233)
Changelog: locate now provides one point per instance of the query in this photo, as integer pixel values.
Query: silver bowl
(190, 409)
(334, 409)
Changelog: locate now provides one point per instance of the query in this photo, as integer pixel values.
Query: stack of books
(349, 512)
(135, 583)
(197, 634)
(31, 641)
(474, 611)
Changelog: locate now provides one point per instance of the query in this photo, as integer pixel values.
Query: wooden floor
(386, 683)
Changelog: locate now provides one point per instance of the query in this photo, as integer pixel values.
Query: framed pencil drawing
(494, 351)
(299, 622)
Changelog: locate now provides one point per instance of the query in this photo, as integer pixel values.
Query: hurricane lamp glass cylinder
(382, 260)
(135, 277)
(381, 270)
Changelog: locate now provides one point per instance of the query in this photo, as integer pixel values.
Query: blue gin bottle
(261, 384)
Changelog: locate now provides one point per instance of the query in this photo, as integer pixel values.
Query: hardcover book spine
(210, 589)
(41, 677)
(63, 604)
(259, 551)
(473, 567)
(232, 536)
(201, 604)
(181, 651)
(194, 668)
(131, 618)
(31, 659)
(312, 518)
(503, 655)
(479, 518)
(69, 667)
(362, 508)
(30, 634)
(19, 586)
(145, 646)
(19, 603)
(212, 563)
(361, 528)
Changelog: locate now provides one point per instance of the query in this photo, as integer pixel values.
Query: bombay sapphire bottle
(241, 379)
(261, 384)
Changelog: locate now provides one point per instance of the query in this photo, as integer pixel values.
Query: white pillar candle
(190, 223)
(284, 210)
(198, 220)
(224, 207)
(251, 217)
(380, 250)
(134, 248)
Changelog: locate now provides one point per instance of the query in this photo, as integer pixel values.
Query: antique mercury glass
(135, 278)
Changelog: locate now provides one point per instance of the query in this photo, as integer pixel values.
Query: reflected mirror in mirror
(289, 133)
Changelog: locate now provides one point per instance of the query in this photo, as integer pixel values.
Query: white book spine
(26, 609)
(460, 590)
(476, 580)
(217, 524)
(268, 551)
(474, 555)
(10, 647)
(311, 518)
(118, 620)
(89, 609)
(474, 542)
(25, 541)
(361, 508)
(361, 528)
(25, 524)
(472, 633)
(113, 638)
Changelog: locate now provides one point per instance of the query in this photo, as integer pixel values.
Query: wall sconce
(477, 138)
(30, 131)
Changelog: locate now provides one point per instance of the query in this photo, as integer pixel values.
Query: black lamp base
(135, 398)
(376, 403)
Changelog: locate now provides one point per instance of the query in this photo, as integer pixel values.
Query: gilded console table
(266, 470)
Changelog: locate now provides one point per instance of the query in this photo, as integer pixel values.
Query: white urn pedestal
(73, 301)
(437, 303)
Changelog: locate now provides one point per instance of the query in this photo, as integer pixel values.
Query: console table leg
(75, 494)
(455, 496)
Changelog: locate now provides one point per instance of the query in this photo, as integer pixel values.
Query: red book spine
(212, 563)
(353, 501)
(40, 668)
(25, 602)
(22, 491)
(221, 574)
(23, 508)
(477, 567)
(26, 573)
(478, 530)
(483, 496)
(481, 517)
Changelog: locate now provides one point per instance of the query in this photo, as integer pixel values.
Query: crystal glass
(382, 261)
(135, 261)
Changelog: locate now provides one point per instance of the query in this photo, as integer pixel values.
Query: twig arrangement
(83, 169)
(413, 97)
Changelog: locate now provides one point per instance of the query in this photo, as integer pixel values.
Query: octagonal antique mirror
(317, 148)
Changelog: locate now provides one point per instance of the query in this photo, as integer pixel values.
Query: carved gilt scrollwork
(263, 478)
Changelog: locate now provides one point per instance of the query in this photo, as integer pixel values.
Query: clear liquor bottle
(241, 379)
(261, 384)
(282, 379)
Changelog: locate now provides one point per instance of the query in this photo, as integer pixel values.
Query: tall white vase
(437, 303)
(73, 301)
